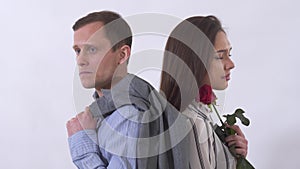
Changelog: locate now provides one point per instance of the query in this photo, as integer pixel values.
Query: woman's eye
(219, 56)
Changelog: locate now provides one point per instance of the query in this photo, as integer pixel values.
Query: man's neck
(114, 82)
(99, 92)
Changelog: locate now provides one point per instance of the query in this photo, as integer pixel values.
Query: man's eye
(77, 51)
(92, 50)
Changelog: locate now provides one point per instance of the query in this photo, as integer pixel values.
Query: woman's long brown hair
(188, 52)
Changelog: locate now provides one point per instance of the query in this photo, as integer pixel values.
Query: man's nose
(82, 60)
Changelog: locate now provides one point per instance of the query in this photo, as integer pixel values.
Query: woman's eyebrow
(223, 50)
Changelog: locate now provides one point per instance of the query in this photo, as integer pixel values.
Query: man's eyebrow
(74, 46)
(84, 45)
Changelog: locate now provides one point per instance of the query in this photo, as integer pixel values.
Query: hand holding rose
(239, 140)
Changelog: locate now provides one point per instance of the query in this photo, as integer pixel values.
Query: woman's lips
(226, 77)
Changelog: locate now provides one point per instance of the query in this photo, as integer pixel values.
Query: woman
(197, 53)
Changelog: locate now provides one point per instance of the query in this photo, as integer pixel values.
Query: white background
(38, 65)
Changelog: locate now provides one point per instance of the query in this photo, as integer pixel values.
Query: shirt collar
(95, 95)
(107, 92)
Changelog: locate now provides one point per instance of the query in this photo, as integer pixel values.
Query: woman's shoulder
(197, 110)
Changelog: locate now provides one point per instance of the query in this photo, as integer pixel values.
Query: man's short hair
(116, 28)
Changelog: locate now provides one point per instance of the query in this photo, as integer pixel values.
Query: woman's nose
(229, 64)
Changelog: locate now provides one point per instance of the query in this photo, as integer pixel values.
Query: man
(102, 42)
(129, 125)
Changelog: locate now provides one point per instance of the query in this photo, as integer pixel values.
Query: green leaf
(230, 119)
(239, 111)
(245, 121)
(239, 114)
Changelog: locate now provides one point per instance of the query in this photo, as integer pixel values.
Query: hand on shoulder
(81, 121)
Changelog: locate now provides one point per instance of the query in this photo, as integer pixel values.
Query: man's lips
(84, 73)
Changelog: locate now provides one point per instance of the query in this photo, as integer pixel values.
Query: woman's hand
(239, 140)
(82, 121)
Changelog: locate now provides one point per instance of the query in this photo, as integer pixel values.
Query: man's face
(96, 60)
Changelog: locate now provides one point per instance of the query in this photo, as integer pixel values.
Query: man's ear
(124, 54)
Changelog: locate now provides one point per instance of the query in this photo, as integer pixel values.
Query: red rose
(206, 95)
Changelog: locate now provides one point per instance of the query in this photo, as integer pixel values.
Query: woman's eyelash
(219, 57)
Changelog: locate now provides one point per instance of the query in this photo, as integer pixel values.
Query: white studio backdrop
(38, 68)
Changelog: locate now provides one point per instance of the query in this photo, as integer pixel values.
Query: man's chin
(88, 86)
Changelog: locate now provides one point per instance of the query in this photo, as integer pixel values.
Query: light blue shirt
(108, 147)
(139, 130)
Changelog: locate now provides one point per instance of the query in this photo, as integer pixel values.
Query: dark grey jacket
(165, 132)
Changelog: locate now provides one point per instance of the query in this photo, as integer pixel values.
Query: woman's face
(221, 64)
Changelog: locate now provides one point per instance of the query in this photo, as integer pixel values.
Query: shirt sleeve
(113, 146)
(84, 150)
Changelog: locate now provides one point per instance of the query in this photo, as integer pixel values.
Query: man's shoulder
(127, 112)
(128, 108)
(122, 122)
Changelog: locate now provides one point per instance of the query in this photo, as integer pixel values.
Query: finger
(71, 120)
(79, 115)
(88, 112)
(236, 138)
(232, 138)
(238, 144)
(241, 152)
(231, 143)
(240, 148)
(242, 144)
